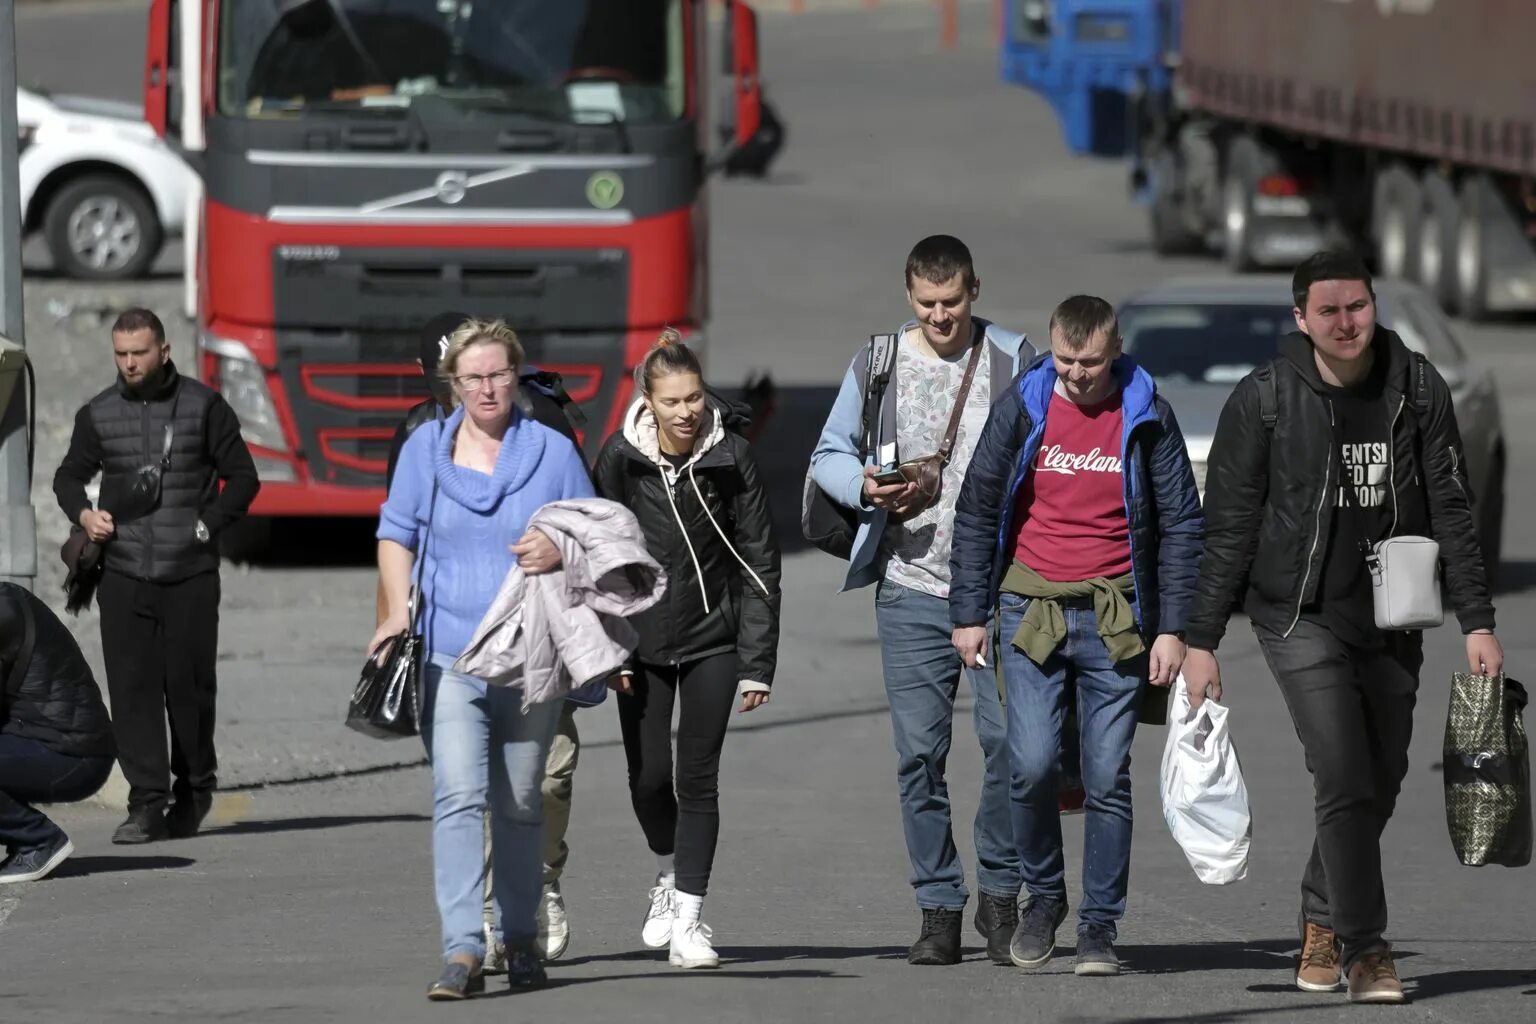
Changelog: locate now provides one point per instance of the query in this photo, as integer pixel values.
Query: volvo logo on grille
(451, 187)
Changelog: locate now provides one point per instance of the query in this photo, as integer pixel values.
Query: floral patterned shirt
(926, 388)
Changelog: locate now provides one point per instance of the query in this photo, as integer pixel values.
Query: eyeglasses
(473, 382)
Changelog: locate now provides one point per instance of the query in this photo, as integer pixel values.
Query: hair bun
(668, 337)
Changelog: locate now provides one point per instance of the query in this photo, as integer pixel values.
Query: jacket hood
(1138, 390)
(640, 431)
(1296, 348)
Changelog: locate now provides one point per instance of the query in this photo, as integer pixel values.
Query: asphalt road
(313, 901)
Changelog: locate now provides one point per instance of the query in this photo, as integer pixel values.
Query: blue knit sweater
(475, 516)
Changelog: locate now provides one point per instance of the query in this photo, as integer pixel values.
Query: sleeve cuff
(1472, 621)
(1202, 640)
(390, 530)
(753, 686)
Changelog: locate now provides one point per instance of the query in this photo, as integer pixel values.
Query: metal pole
(18, 525)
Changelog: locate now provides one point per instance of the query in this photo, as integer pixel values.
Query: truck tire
(102, 227)
(1437, 240)
(1398, 216)
(1471, 252)
(1170, 235)
(1248, 163)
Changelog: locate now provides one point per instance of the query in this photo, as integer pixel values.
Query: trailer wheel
(1472, 250)
(1170, 235)
(1438, 240)
(1399, 221)
(1248, 163)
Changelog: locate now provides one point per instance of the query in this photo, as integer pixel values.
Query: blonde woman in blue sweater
(468, 486)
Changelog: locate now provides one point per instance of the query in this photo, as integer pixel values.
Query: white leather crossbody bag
(1405, 583)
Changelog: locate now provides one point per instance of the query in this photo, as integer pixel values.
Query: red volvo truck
(1264, 129)
(368, 163)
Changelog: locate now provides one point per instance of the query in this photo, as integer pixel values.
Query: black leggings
(687, 822)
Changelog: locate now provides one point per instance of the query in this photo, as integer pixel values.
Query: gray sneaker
(1096, 955)
(1034, 940)
(37, 862)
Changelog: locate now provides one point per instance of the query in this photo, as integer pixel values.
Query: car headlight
(243, 383)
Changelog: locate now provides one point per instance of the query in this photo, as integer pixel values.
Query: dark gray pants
(1353, 711)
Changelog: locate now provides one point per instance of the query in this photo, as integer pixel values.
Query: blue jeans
(922, 678)
(1108, 700)
(484, 750)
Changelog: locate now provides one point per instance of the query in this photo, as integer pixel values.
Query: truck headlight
(243, 383)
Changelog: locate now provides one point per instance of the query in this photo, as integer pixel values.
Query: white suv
(98, 183)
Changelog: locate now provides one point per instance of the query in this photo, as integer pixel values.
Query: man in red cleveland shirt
(1079, 525)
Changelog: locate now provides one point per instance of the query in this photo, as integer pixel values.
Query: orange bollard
(949, 18)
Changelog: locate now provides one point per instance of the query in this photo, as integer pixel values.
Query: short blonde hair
(479, 332)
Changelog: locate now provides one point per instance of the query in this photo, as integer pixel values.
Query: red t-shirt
(1069, 519)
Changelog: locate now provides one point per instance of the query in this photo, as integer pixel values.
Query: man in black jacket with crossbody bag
(175, 473)
(1345, 440)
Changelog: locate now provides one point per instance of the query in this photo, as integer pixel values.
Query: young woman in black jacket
(690, 480)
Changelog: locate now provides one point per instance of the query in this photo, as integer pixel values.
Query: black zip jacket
(121, 430)
(713, 605)
(1267, 513)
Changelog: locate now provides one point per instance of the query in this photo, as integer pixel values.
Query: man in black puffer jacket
(55, 738)
(159, 593)
(1345, 401)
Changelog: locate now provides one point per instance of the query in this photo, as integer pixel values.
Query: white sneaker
(690, 946)
(554, 928)
(495, 961)
(656, 933)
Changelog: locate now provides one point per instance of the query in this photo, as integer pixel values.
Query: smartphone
(887, 477)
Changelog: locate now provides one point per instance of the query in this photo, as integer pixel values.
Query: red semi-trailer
(367, 164)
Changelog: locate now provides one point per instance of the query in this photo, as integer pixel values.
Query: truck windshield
(567, 60)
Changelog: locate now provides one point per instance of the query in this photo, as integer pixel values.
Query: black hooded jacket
(708, 525)
(54, 700)
(1267, 517)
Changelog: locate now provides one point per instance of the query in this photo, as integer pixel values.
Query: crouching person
(1079, 524)
(55, 737)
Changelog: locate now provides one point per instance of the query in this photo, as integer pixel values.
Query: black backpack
(826, 523)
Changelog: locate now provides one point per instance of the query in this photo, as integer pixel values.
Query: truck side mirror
(157, 68)
(752, 135)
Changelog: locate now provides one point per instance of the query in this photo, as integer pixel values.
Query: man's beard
(151, 382)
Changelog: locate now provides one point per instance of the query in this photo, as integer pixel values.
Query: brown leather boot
(1318, 968)
(1373, 979)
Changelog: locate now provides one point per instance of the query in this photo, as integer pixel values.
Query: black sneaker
(1096, 954)
(458, 981)
(526, 970)
(186, 815)
(36, 862)
(939, 943)
(996, 918)
(1034, 940)
(141, 827)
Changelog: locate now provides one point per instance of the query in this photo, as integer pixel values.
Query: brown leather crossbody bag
(928, 472)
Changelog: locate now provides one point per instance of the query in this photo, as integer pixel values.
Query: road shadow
(80, 867)
(310, 824)
(1515, 576)
(1450, 983)
(1199, 957)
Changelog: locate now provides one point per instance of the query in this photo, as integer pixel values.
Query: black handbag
(135, 495)
(828, 524)
(386, 703)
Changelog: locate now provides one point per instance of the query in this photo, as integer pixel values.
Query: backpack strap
(1420, 384)
(877, 376)
(1269, 396)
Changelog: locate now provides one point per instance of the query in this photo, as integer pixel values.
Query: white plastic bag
(1204, 799)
